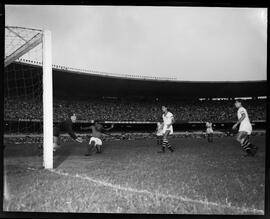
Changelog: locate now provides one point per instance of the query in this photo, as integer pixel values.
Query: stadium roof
(73, 82)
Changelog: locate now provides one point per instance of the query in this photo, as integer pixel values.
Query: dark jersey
(64, 127)
(97, 130)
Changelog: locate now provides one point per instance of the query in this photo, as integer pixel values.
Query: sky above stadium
(188, 43)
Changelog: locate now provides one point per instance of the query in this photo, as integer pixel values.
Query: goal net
(28, 110)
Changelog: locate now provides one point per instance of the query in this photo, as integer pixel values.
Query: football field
(131, 177)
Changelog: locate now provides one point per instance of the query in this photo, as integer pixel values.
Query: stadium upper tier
(70, 82)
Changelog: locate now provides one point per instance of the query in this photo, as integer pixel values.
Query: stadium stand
(135, 110)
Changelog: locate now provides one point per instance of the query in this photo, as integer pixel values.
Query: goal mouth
(28, 90)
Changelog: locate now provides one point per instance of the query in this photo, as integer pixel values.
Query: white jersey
(209, 128)
(167, 121)
(245, 125)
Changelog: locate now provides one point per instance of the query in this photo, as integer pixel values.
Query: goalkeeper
(64, 126)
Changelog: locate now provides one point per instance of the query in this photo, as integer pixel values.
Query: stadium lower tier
(134, 110)
(35, 127)
(38, 139)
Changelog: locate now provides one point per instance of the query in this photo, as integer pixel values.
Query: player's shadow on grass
(61, 155)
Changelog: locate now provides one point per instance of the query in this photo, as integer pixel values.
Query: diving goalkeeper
(64, 126)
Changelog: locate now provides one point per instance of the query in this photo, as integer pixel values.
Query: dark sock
(246, 146)
(169, 147)
(163, 146)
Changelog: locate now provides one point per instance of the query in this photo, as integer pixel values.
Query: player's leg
(239, 137)
(208, 137)
(90, 146)
(253, 148)
(166, 141)
(98, 145)
(56, 138)
(211, 137)
(159, 140)
(56, 142)
(243, 139)
(162, 143)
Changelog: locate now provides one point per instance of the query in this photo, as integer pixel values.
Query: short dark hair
(238, 100)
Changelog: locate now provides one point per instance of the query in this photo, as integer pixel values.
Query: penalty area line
(180, 198)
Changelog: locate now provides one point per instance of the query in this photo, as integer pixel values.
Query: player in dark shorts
(95, 141)
(64, 126)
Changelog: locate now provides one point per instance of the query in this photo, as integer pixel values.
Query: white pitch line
(181, 198)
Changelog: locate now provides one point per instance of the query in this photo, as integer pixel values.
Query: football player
(95, 140)
(64, 126)
(159, 133)
(168, 120)
(245, 130)
(209, 131)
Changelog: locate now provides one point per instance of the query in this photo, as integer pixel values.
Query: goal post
(28, 87)
(47, 101)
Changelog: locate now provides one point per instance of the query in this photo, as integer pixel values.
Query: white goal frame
(43, 37)
(47, 100)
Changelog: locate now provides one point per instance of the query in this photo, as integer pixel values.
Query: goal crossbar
(29, 45)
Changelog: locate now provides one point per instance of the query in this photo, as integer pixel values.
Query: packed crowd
(134, 110)
(15, 109)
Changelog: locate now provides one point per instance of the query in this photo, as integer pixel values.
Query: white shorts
(245, 127)
(209, 131)
(165, 128)
(97, 141)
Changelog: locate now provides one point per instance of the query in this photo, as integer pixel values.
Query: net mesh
(23, 84)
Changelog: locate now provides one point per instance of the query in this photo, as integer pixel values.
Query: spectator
(133, 110)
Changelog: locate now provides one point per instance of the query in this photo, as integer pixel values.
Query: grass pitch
(131, 177)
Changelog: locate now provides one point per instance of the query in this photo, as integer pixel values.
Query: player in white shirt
(168, 121)
(245, 129)
(209, 131)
